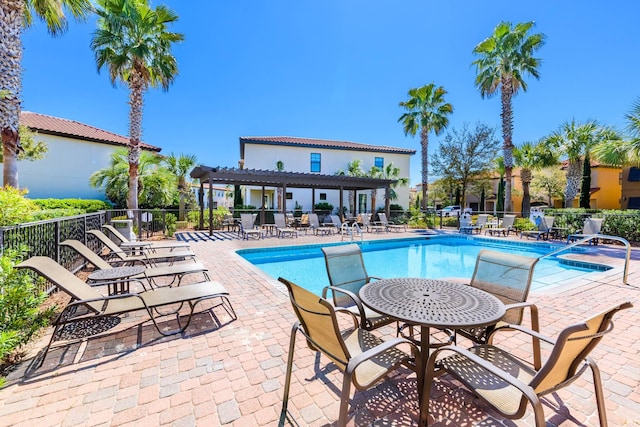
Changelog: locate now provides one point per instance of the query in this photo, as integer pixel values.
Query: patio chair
(315, 226)
(505, 228)
(507, 277)
(347, 274)
(97, 305)
(281, 226)
(591, 227)
(509, 383)
(389, 225)
(364, 358)
(118, 255)
(247, 228)
(365, 220)
(177, 271)
(544, 227)
(481, 222)
(154, 245)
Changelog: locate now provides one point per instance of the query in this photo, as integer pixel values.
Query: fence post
(56, 227)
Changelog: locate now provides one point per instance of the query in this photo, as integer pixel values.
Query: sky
(337, 69)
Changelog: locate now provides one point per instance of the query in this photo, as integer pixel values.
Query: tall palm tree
(427, 111)
(504, 58)
(15, 15)
(354, 168)
(180, 166)
(531, 157)
(132, 40)
(622, 153)
(573, 140)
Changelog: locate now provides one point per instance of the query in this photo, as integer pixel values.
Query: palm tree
(16, 15)
(622, 153)
(393, 173)
(573, 140)
(180, 166)
(531, 157)
(354, 168)
(156, 183)
(133, 42)
(426, 111)
(505, 58)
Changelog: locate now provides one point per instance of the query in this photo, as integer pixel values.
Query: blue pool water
(433, 257)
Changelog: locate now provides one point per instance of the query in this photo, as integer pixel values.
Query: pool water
(436, 257)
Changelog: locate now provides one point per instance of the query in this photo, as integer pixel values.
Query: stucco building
(324, 157)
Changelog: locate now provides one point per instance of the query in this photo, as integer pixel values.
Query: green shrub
(323, 206)
(20, 313)
(523, 224)
(170, 224)
(55, 213)
(14, 207)
(85, 205)
(218, 216)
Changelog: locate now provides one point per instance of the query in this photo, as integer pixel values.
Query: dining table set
(431, 303)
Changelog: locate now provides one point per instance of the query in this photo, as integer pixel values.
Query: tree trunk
(574, 178)
(525, 176)
(507, 131)
(424, 145)
(374, 195)
(136, 85)
(11, 21)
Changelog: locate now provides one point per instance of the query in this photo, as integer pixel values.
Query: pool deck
(224, 372)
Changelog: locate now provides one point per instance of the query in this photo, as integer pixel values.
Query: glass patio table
(431, 303)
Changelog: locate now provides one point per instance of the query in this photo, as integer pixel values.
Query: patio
(222, 372)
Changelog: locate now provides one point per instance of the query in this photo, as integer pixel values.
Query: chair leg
(287, 380)
(344, 397)
(597, 385)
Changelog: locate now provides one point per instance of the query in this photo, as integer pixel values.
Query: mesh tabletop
(430, 302)
(116, 273)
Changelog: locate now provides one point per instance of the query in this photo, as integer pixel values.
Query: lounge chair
(507, 277)
(281, 226)
(347, 274)
(481, 222)
(118, 255)
(314, 224)
(247, 228)
(505, 228)
(365, 220)
(508, 383)
(544, 227)
(363, 357)
(97, 305)
(177, 271)
(389, 225)
(153, 245)
(591, 227)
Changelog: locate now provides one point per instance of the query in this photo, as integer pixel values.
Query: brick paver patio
(224, 372)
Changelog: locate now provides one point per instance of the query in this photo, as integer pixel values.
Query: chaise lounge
(97, 305)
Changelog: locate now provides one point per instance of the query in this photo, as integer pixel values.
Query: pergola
(266, 178)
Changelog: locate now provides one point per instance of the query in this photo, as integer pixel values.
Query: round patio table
(118, 274)
(431, 303)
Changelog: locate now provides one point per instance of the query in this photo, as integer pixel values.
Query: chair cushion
(499, 393)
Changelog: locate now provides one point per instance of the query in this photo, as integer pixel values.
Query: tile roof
(320, 143)
(71, 128)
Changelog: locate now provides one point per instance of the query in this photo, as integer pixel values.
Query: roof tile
(64, 127)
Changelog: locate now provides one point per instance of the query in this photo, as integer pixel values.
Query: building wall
(65, 171)
(298, 159)
(630, 190)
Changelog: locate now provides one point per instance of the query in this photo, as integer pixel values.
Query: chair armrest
(535, 323)
(351, 295)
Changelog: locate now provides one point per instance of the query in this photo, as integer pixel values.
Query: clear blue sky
(337, 69)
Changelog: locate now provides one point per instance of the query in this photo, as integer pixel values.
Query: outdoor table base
(431, 303)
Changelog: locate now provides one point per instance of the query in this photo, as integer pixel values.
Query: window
(634, 175)
(323, 196)
(289, 196)
(315, 162)
(379, 162)
(634, 203)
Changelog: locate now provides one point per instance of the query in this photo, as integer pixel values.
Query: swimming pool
(429, 257)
